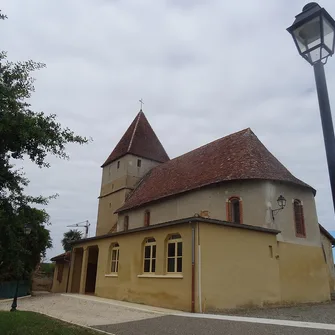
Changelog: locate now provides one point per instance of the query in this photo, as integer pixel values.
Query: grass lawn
(30, 323)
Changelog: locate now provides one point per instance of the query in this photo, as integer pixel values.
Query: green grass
(30, 323)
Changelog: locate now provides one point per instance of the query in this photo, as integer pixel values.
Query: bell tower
(138, 151)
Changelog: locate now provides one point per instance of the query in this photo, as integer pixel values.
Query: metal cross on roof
(142, 103)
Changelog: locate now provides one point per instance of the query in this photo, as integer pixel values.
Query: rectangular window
(175, 254)
(150, 256)
(118, 164)
(146, 218)
(139, 163)
(299, 220)
(126, 223)
(115, 259)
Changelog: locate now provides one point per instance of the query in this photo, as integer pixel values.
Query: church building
(223, 226)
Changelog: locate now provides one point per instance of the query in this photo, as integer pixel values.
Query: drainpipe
(199, 272)
(193, 270)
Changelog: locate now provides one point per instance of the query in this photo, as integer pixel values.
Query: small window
(146, 218)
(234, 210)
(118, 164)
(126, 223)
(139, 163)
(175, 254)
(60, 270)
(115, 258)
(149, 263)
(299, 220)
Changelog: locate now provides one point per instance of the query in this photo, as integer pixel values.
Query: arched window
(126, 223)
(299, 222)
(174, 253)
(234, 210)
(149, 263)
(146, 218)
(115, 254)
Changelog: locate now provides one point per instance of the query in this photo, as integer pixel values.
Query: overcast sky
(204, 69)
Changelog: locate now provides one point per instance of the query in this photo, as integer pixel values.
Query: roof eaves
(181, 221)
(124, 207)
(327, 234)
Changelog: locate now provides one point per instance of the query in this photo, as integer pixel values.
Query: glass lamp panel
(315, 55)
(324, 53)
(328, 33)
(308, 35)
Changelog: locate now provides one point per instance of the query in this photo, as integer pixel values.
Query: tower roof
(239, 156)
(140, 140)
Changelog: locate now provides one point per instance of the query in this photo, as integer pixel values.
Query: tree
(24, 133)
(69, 236)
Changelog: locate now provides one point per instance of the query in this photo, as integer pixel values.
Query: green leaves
(71, 235)
(24, 133)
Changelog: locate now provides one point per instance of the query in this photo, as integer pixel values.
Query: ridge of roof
(140, 140)
(238, 156)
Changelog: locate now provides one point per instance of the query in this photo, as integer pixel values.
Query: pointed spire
(139, 140)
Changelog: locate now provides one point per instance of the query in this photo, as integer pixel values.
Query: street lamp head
(313, 32)
(27, 229)
(281, 201)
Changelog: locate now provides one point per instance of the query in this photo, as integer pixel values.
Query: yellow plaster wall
(259, 197)
(161, 290)
(330, 261)
(107, 206)
(116, 183)
(58, 287)
(237, 269)
(303, 273)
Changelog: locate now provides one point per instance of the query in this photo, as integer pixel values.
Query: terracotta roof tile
(139, 140)
(239, 156)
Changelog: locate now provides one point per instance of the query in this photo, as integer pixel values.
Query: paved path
(122, 318)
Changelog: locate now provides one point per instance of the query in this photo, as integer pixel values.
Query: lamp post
(313, 32)
(27, 231)
(281, 201)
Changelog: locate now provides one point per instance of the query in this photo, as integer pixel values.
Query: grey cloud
(204, 69)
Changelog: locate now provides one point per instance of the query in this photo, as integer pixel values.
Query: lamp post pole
(327, 122)
(313, 32)
(27, 231)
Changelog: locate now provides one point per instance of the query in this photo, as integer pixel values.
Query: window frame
(147, 217)
(299, 227)
(115, 246)
(126, 223)
(173, 239)
(229, 209)
(139, 162)
(152, 244)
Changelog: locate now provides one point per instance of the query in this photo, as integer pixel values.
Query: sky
(204, 69)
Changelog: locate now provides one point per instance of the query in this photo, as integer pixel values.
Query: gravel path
(323, 313)
(79, 311)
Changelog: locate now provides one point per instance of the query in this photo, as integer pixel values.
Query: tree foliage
(69, 236)
(24, 134)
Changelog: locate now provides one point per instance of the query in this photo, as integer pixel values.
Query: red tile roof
(239, 156)
(62, 257)
(139, 140)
